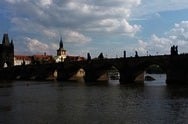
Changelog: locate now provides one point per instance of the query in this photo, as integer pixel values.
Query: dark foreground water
(27, 102)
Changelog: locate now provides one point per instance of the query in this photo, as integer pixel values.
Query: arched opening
(5, 65)
(78, 76)
(155, 74)
(55, 74)
(113, 75)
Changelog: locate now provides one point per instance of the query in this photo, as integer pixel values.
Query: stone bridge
(175, 66)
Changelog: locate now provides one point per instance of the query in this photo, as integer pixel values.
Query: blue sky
(108, 26)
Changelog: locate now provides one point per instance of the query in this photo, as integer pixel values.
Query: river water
(152, 102)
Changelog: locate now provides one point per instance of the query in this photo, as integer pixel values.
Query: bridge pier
(131, 76)
(63, 72)
(126, 77)
(177, 72)
(62, 76)
(177, 77)
(90, 77)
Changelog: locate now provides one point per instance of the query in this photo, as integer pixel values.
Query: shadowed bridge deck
(175, 66)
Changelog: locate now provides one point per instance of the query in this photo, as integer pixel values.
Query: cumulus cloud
(46, 2)
(126, 3)
(50, 33)
(178, 35)
(155, 6)
(73, 14)
(129, 29)
(179, 32)
(36, 46)
(115, 26)
(155, 45)
(77, 21)
(41, 2)
(15, 1)
(75, 37)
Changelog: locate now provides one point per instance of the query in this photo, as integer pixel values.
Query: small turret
(12, 42)
(5, 40)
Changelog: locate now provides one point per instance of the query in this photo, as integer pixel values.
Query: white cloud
(80, 7)
(46, 2)
(125, 3)
(116, 26)
(154, 6)
(40, 2)
(75, 37)
(179, 31)
(129, 29)
(155, 45)
(36, 46)
(50, 33)
(76, 14)
(178, 35)
(160, 42)
(78, 21)
(15, 1)
(109, 24)
(142, 44)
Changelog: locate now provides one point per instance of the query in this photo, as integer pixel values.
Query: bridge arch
(128, 68)
(69, 70)
(143, 67)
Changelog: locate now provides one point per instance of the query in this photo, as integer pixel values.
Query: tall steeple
(61, 43)
(61, 52)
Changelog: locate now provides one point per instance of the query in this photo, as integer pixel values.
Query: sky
(150, 27)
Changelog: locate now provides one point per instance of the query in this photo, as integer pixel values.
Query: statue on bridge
(174, 50)
(136, 54)
(88, 57)
(101, 56)
(124, 54)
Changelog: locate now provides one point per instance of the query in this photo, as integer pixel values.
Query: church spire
(61, 52)
(61, 43)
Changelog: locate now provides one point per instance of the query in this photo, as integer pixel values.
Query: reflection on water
(24, 102)
(160, 79)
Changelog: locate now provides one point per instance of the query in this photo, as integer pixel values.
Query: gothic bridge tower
(6, 52)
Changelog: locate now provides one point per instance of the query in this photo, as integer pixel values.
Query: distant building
(8, 59)
(42, 59)
(22, 60)
(6, 52)
(34, 59)
(75, 58)
(61, 53)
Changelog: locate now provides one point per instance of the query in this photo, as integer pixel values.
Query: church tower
(6, 52)
(61, 52)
